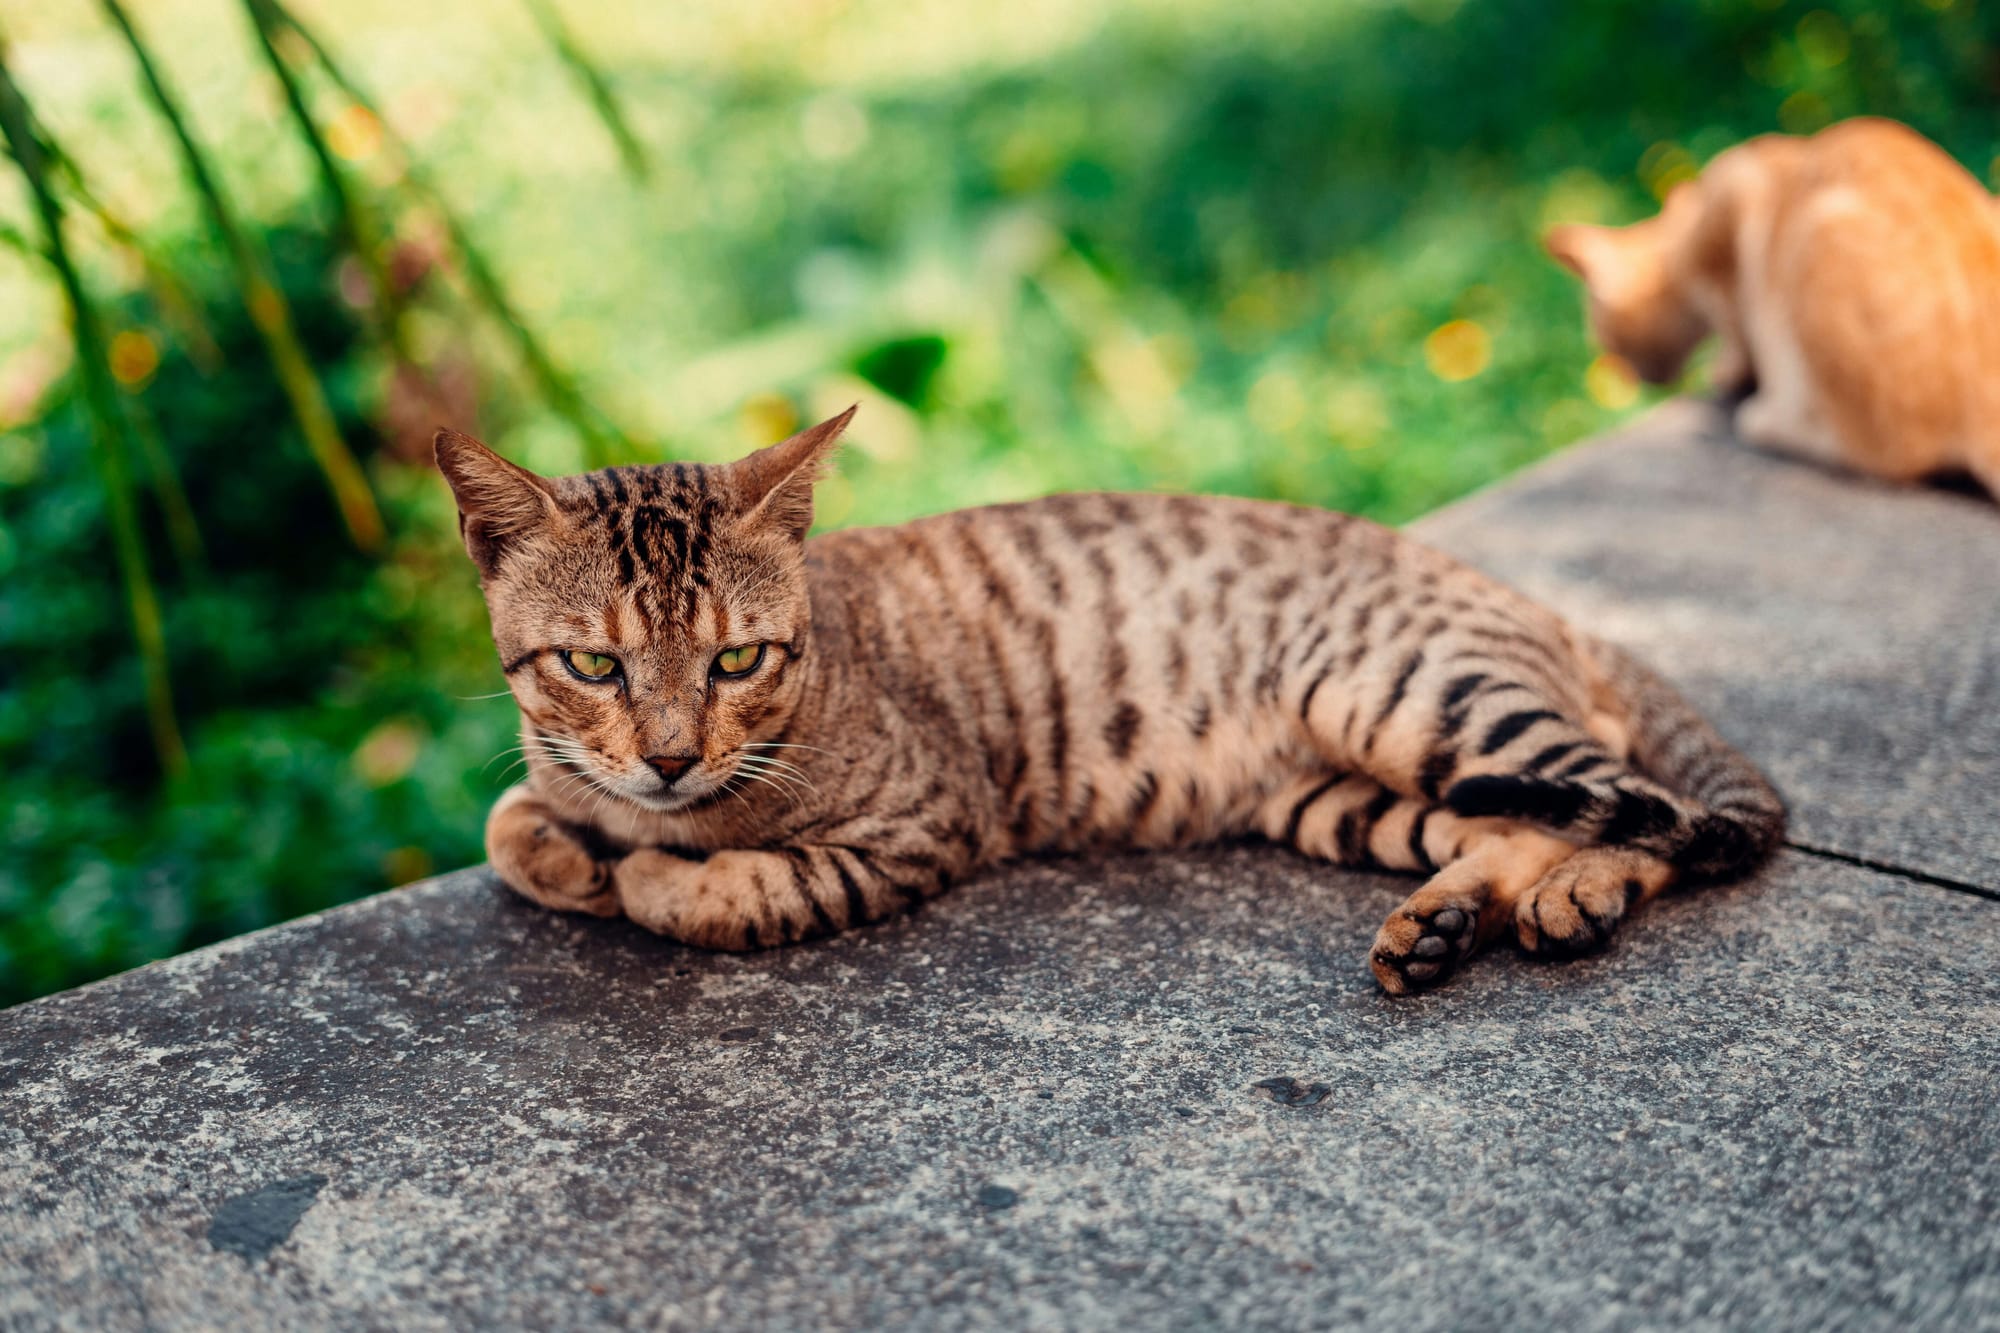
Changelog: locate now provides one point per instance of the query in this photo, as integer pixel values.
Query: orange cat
(1853, 278)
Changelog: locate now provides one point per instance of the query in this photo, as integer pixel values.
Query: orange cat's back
(1894, 277)
(1853, 279)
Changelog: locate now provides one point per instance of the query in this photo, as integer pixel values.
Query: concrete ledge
(1132, 1092)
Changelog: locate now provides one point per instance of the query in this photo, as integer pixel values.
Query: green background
(1280, 249)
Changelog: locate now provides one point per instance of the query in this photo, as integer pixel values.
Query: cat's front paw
(543, 861)
(688, 900)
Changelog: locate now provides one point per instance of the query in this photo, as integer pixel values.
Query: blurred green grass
(1285, 250)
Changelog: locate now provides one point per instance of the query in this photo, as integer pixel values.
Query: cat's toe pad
(1417, 949)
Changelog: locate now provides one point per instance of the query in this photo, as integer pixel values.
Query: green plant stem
(183, 532)
(141, 598)
(269, 311)
(603, 442)
(177, 307)
(594, 86)
(363, 237)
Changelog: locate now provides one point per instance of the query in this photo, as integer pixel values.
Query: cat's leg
(1485, 867)
(543, 860)
(738, 900)
(1522, 769)
(1984, 464)
(1772, 422)
(1783, 413)
(1732, 374)
(1482, 868)
(1575, 906)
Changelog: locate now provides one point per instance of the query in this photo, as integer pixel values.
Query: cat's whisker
(569, 787)
(604, 794)
(570, 779)
(565, 767)
(779, 767)
(774, 761)
(574, 749)
(728, 785)
(569, 758)
(780, 790)
(791, 783)
(788, 792)
(512, 749)
(790, 745)
(752, 775)
(771, 761)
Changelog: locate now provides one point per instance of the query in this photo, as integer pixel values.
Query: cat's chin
(599, 789)
(673, 803)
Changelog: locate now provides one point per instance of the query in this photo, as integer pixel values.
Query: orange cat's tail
(1700, 804)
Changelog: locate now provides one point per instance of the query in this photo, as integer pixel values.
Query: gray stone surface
(1032, 1105)
(1137, 1092)
(1844, 632)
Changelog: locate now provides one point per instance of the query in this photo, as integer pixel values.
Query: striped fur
(1078, 672)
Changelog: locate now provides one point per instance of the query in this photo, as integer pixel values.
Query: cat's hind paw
(1423, 943)
(1574, 908)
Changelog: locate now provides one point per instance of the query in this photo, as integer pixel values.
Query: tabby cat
(1853, 281)
(741, 738)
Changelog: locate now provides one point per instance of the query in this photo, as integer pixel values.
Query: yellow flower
(1458, 350)
(134, 358)
(1610, 383)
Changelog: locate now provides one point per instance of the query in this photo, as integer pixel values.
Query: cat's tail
(1700, 804)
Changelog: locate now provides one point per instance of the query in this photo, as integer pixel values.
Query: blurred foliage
(1284, 250)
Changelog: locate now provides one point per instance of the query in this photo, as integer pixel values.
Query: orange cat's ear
(775, 485)
(499, 504)
(1575, 246)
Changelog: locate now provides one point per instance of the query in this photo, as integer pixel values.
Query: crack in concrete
(1891, 868)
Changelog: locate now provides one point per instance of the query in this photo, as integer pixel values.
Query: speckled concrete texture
(1032, 1105)
(1134, 1092)
(1844, 632)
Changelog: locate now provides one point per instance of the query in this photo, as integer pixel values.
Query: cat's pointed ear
(1579, 247)
(499, 504)
(775, 485)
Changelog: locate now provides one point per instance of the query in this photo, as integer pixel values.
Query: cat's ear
(1571, 245)
(1579, 247)
(775, 485)
(499, 504)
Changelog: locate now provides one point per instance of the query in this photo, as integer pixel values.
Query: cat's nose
(670, 767)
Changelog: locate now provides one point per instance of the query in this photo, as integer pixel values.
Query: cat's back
(1137, 566)
(1051, 548)
(1887, 157)
(1881, 268)
(1873, 199)
(1076, 571)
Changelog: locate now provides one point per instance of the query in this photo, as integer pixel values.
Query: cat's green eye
(739, 661)
(591, 666)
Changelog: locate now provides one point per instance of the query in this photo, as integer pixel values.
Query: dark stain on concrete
(1291, 1092)
(254, 1224)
